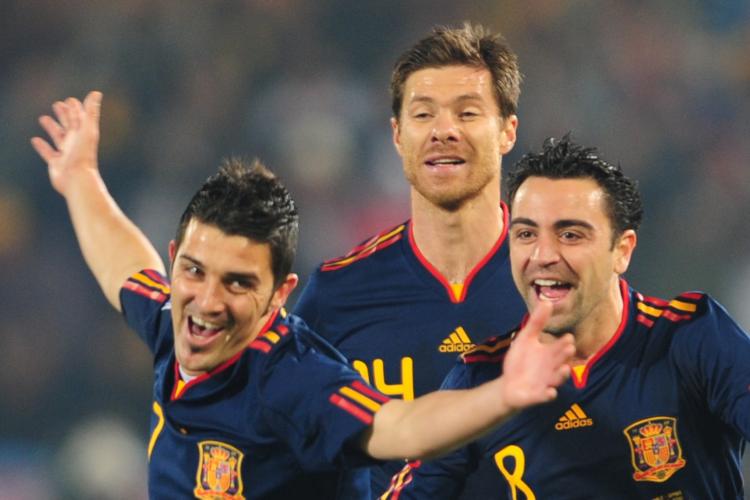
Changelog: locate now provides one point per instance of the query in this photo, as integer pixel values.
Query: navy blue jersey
(399, 322)
(660, 412)
(279, 420)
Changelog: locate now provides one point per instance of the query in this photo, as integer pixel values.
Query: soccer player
(402, 305)
(658, 406)
(248, 402)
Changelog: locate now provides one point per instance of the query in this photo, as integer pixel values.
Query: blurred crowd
(661, 86)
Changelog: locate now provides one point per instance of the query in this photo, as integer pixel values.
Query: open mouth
(552, 290)
(447, 161)
(201, 331)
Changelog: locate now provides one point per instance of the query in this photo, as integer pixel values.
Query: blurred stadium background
(662, 86)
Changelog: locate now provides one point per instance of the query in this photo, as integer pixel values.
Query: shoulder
(482, 363)
(685, 310)
(146, 307)
(147, 284)
(491, 351)
(372, 267)
(367, 248)
(289, 337)
(692, 322)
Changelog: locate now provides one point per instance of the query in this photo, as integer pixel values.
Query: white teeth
(447, 161)
(547, 283)
(204, 324)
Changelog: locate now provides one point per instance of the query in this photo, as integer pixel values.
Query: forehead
(548, 200)
(449, 81)
(225, 253)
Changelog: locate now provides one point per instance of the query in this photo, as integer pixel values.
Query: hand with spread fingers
(112, 245)
(533, 369)
(74, 133)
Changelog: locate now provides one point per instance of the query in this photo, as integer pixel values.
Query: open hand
(75, 138)
(532, 369)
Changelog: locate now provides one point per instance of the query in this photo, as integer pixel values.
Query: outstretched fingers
(74, 110)
(60, 108)
(43, 148)
(92, 104)
(53, 129)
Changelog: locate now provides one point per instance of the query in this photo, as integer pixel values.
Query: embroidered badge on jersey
(655, 449)
(218, 474)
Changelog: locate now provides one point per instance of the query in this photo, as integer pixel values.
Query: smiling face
(450, 134)
(222, 295)
(562, 250)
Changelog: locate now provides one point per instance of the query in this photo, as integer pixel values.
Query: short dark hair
(564, 159)
(247, 199)
(472, 45)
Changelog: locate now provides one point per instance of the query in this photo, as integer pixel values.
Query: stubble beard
(454, 197)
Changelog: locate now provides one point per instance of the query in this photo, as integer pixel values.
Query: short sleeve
(144, 298)
(319, 406)
(713, 355)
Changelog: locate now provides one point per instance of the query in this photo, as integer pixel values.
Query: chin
(558, 328)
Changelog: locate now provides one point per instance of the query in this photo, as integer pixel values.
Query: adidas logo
(573, 419)
(457, 341)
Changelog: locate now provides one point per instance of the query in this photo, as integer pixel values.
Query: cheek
(517, 264)
(248, 309)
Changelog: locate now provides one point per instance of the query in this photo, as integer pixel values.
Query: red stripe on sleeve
(155, 276)
(351, 408)
(283, 330)
(369, 392)
(671, 316)
(149, 293)
(260, 345)
(643, 319)
(401, 479)
(483, 358)
(654, 301)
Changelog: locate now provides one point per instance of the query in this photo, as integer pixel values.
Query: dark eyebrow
(230, 276)
(565, 223)
(560, 224)
(472, 96)
(523, 220)
(191, 259)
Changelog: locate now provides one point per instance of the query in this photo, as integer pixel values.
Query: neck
(455, 241)
(600, 326)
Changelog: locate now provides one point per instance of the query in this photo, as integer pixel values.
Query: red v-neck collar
(467, 282)
(580, 380)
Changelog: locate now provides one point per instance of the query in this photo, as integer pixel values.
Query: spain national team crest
(219, 472)
(655, 448)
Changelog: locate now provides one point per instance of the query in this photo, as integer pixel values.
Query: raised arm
(440, 421)
(113, 247)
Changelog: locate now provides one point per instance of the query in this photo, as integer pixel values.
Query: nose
(545, 251)
(445, 128)
(210, 297)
